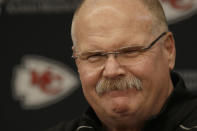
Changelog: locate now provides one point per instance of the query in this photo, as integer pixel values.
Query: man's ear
(74, 50)
(170, 50)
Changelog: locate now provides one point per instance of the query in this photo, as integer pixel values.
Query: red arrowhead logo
(40, 81)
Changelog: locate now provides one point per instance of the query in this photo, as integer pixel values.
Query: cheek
(143, 70)
(89, 77)
(152, 67)
(151, 72)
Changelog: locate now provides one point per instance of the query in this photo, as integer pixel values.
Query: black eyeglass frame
(155, 41)
(141, 50)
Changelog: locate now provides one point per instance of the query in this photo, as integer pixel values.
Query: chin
(121, 102)
(124, 114)
(119, 107)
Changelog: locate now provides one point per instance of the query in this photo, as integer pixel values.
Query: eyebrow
(92, 52)
(115, 50)
(130, 48)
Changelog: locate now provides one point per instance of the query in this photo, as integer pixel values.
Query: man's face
(111, 27)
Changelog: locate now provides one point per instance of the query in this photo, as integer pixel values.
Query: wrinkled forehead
(91, 5)
(122, 8)
(104, 17)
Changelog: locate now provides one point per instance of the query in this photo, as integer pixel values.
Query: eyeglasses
(125, 55)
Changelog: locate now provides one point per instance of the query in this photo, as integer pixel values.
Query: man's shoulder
(186, 115)
(177, 115)
(190, 120)
(187, 106)
(191, 106)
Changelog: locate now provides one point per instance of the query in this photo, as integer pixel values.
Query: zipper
(82, 127)
(187, 128)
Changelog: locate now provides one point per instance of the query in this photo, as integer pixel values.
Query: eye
(94, 57)
(131, 53)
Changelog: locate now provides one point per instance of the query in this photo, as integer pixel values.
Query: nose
(113, 68)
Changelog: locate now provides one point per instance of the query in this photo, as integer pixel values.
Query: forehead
(118, 22)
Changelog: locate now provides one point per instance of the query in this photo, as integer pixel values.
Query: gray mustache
(121, 83)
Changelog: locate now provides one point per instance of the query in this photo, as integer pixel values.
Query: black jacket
(178, 114)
